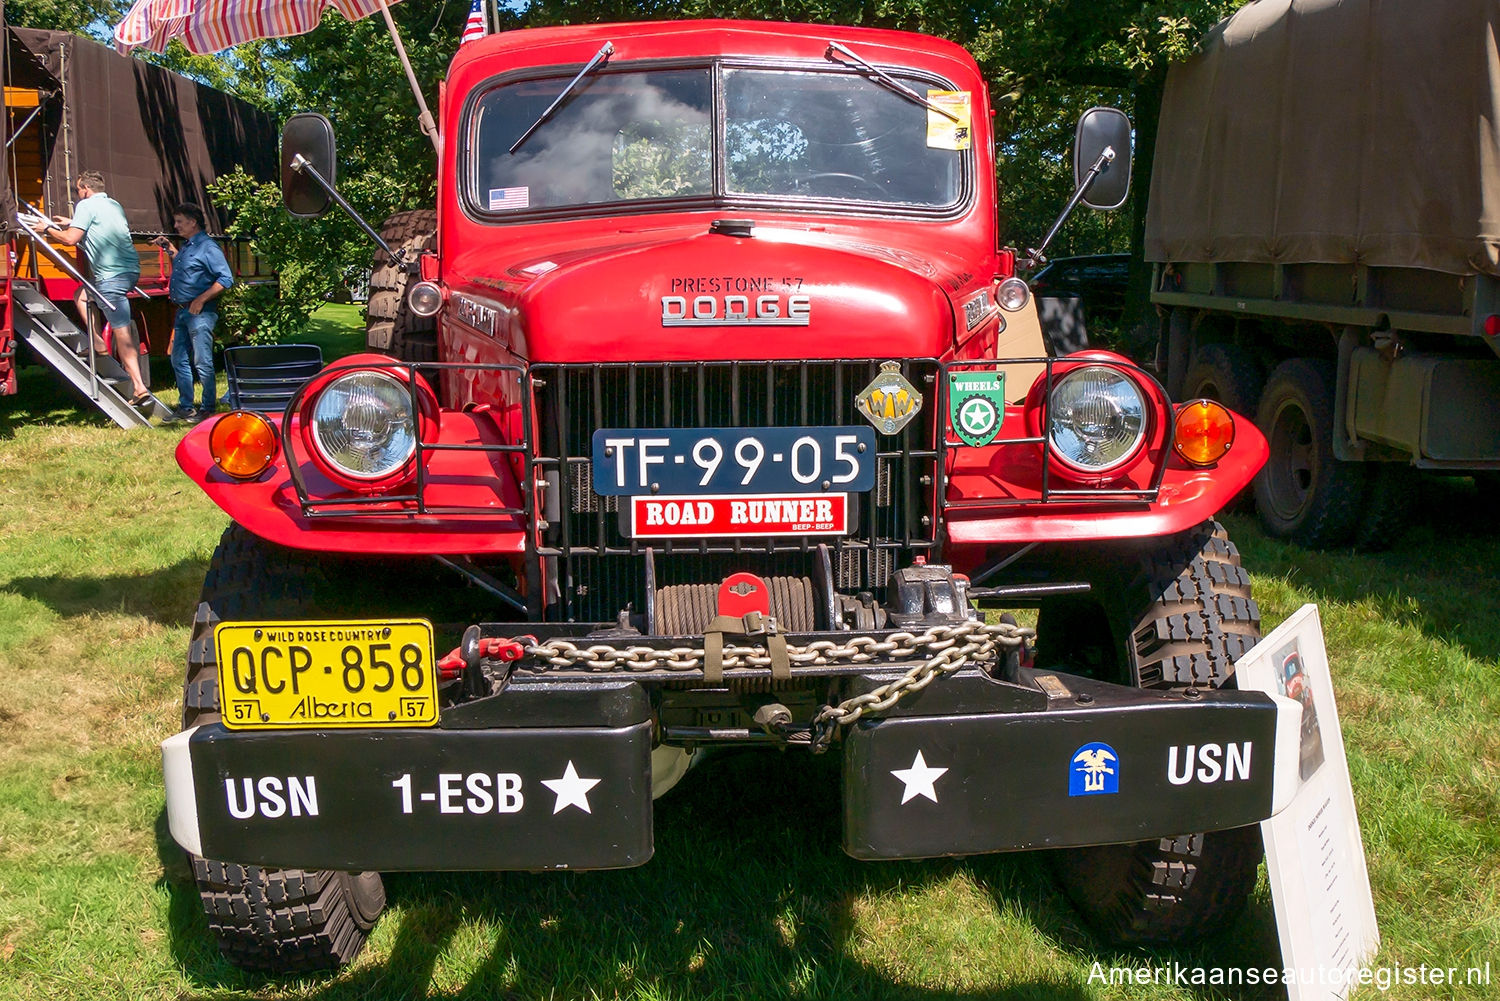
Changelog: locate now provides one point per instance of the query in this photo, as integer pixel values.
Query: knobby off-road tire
(390, 325)
(1177, 615)
(1305, 494)
(271, 920)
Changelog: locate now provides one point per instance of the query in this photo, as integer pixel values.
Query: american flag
(474, 27)
(509, 198)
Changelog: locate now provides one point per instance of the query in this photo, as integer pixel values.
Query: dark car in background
(1099, 280)
(1076, 293)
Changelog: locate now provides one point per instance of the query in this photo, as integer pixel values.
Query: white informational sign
(1325, 916)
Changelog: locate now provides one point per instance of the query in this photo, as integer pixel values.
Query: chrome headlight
(1012, 294)
(363, 425)
(425, 298)
(1097, 419)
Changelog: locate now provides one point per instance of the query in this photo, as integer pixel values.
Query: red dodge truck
(709, 411)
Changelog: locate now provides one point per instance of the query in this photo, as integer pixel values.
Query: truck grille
(600, 570)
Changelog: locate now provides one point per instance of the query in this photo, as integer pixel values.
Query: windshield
(824, 137)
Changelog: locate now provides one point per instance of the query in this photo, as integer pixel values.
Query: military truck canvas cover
(158, 138)
(1335, 131)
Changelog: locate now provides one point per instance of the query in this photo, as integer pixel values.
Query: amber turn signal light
(1204, 432)
(242, 444)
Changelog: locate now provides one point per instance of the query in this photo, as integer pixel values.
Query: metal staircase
(56, 339)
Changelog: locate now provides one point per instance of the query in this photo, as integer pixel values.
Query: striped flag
(212, 25)
(510, 198)
(474, 27)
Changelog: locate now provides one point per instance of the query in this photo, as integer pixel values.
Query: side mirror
(1102, 129)
(309, 136)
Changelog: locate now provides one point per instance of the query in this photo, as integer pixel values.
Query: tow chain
(947, 649)
(979, 643)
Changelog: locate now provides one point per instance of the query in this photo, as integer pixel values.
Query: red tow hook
(451, 667)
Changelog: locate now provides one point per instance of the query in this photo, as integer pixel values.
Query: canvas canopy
(1335, 131)
(158, 138)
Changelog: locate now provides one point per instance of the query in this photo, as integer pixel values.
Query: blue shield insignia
(1094, 771)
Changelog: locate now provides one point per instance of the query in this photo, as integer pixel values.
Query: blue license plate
(683, 461)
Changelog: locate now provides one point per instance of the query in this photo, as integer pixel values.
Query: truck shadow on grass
(165, 596)
(1438, 578)
(748, 896)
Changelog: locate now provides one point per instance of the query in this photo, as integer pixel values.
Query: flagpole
(424, 116)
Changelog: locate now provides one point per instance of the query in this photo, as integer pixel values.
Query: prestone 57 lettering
(712, 415)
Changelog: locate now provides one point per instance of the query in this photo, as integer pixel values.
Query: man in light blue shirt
(99, 224)
(199, 274)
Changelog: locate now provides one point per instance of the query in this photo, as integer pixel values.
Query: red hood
(664, 295)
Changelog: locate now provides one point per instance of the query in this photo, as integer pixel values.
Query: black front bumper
(963, 768)
(558, 775)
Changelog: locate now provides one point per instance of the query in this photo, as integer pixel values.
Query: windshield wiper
(599, 59)
(886, 78)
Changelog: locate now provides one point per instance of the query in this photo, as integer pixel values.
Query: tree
(61, 15)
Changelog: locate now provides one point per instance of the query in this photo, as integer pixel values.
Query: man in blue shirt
(199, 274)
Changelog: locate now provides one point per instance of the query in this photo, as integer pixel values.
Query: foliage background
(1045, 63)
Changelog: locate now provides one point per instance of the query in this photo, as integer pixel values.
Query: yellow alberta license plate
(319, 675)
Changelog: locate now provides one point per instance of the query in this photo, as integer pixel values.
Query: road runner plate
(731, 515)
(321, 675)
(784, 460)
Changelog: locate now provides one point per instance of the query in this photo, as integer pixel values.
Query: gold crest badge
(889, 402)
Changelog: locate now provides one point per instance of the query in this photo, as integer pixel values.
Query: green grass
(337, 329)
(103, 545)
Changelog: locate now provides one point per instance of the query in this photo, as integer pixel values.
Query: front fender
(1186, 497)
(270, 507)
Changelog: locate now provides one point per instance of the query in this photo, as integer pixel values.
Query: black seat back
(265, 376)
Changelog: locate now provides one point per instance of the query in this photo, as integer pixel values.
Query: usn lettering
(1229, 763)
(272, 797)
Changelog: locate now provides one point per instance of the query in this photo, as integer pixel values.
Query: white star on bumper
(571, 790)
(918, 779)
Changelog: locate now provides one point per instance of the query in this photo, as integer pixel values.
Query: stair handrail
(61, 260)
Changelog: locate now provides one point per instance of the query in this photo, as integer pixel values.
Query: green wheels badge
(976, 405)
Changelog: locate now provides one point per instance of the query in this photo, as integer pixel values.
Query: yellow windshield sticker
(944, 132)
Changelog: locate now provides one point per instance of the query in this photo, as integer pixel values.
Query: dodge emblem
(889, 402)
(736, 311)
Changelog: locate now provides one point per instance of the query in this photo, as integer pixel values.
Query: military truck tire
(1162, 613)
(1229, 375)
(1390, 492)
(390, 325)
(279, 921)
(1178, 615)
(1226, 373)
(1304, 494)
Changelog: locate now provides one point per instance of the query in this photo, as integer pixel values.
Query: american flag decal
(509, 198)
